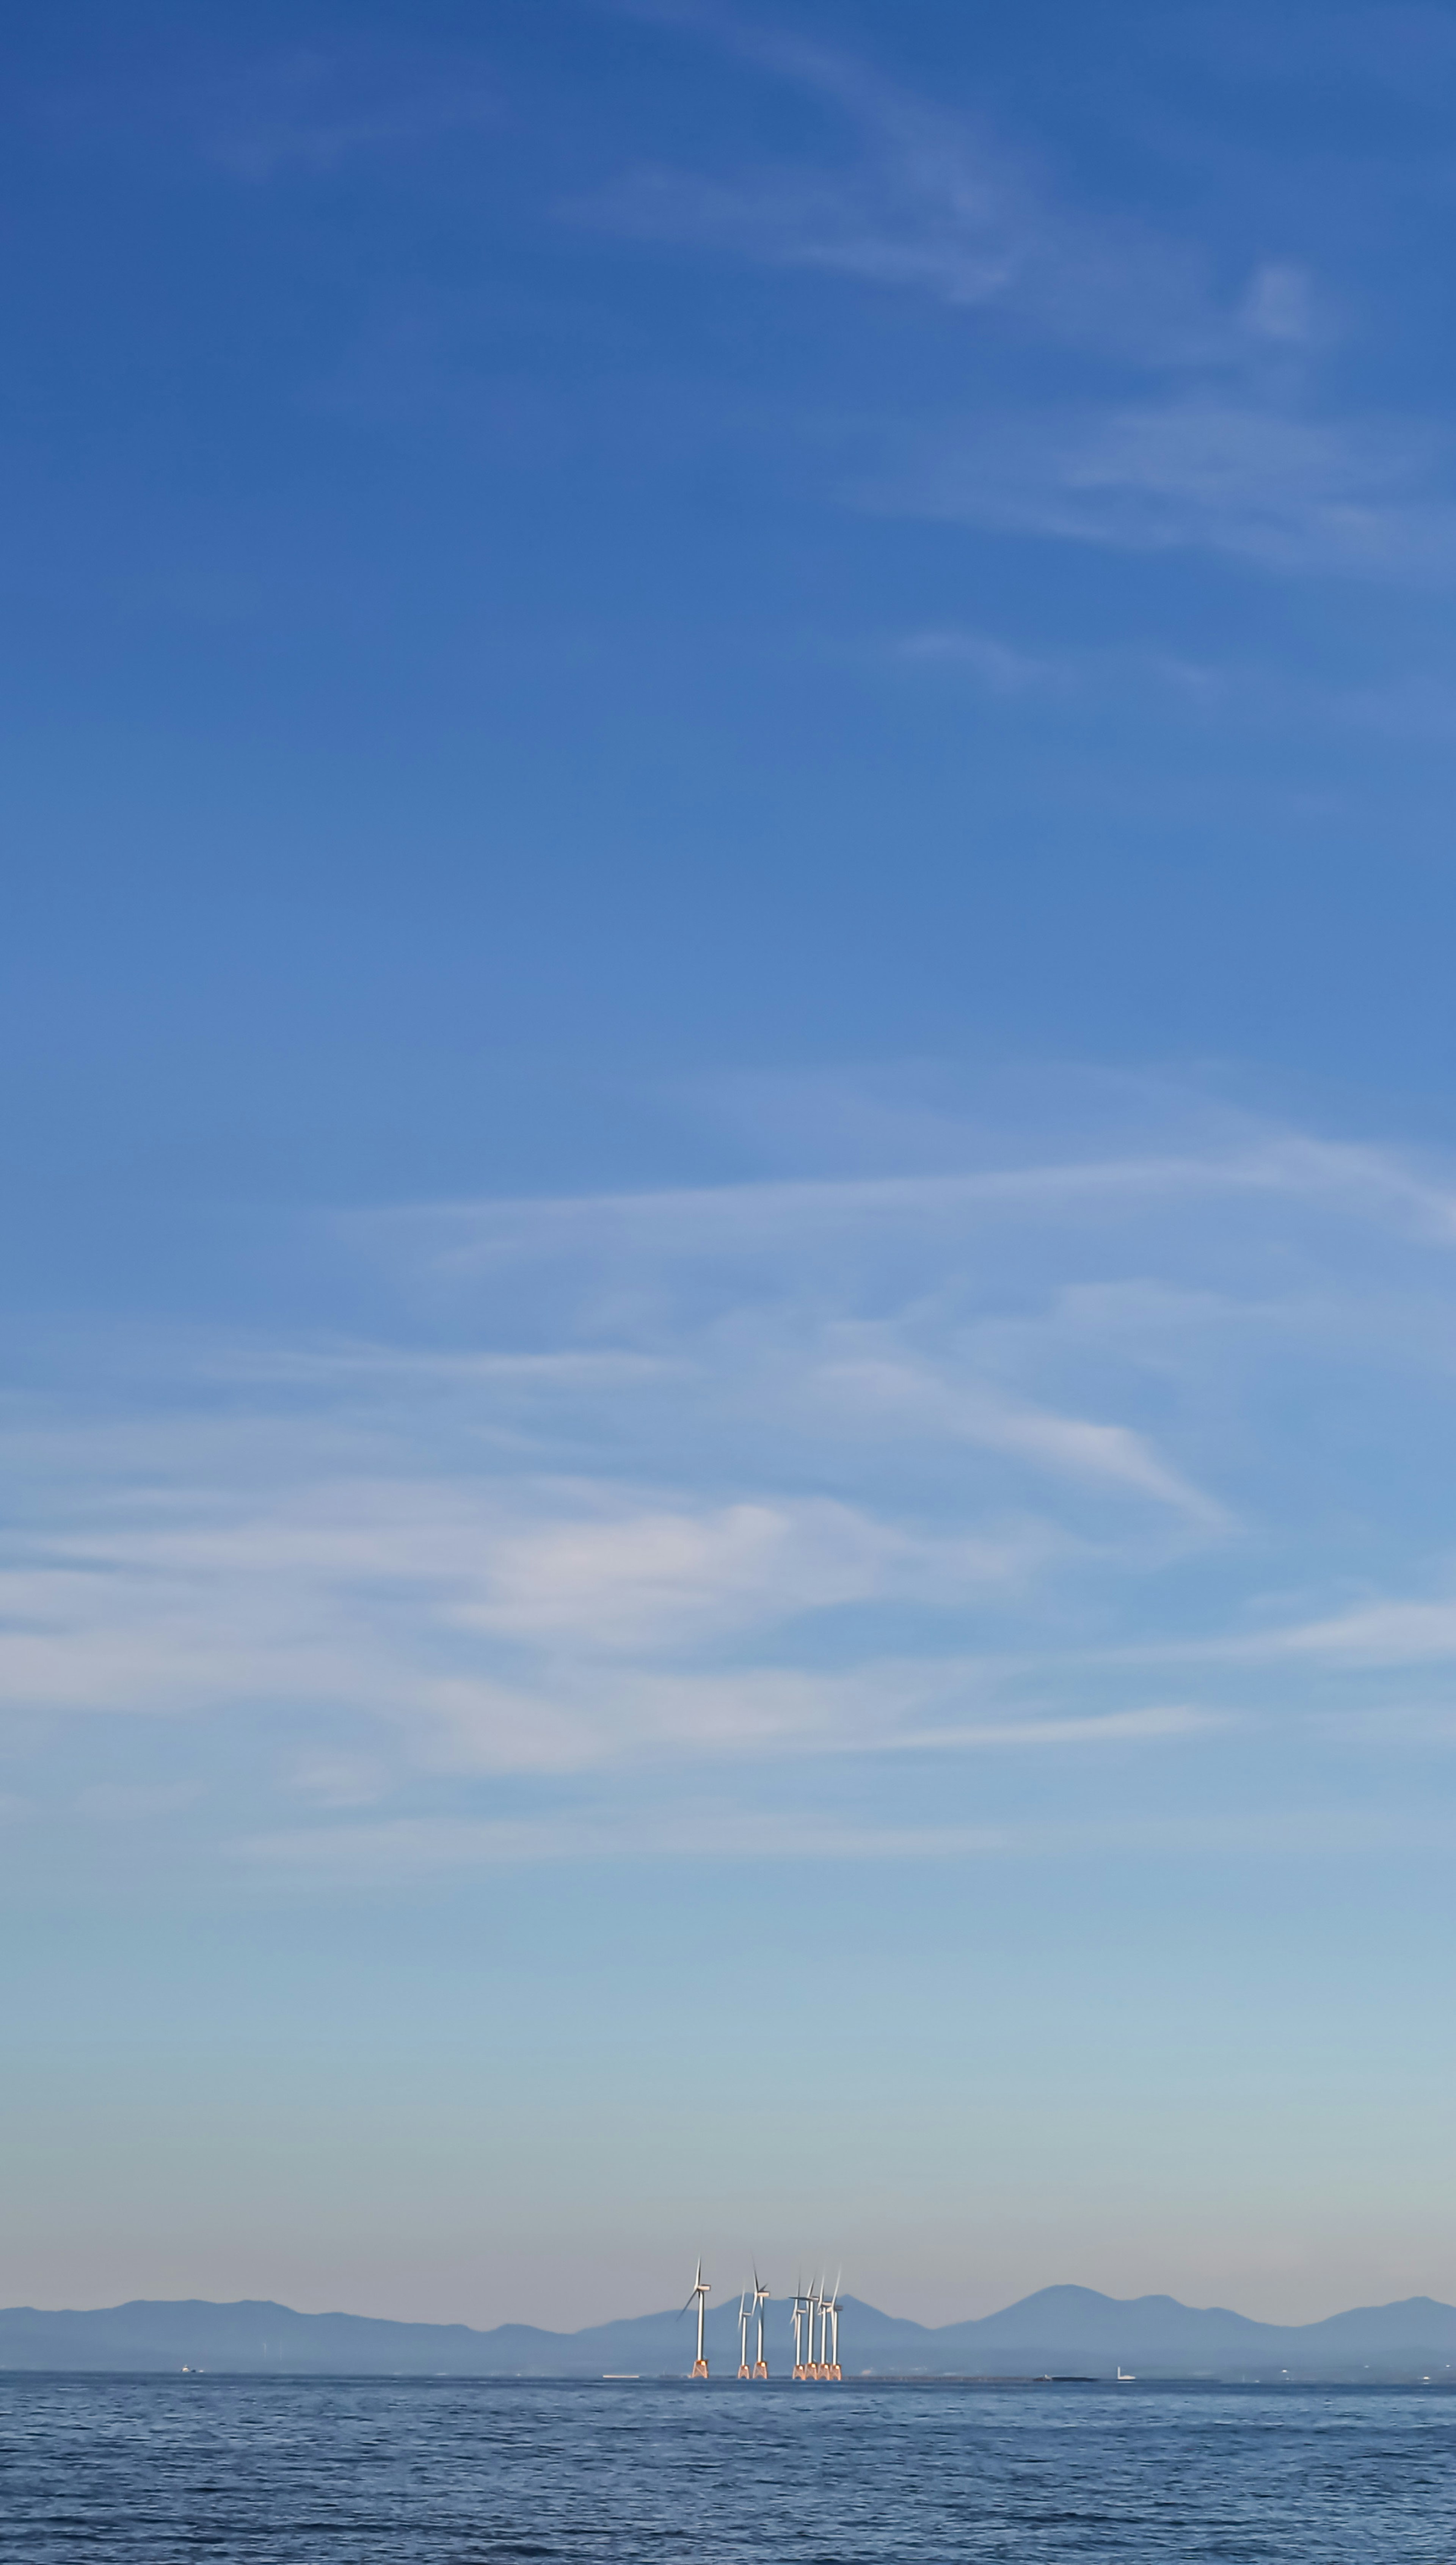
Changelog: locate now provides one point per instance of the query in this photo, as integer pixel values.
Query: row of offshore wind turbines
(815, 2328)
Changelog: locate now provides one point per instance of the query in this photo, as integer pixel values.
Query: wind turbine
(760, 2298)
(816, 2330)
(743, 2368)
(831, 2332)
(801, 2309)
(701, 2290)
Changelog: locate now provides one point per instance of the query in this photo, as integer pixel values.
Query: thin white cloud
(909, 195)
(563, 1564)
(483, 1643)
(1281, 306)
(932, 201)
(309, 110)
(403, 1848)
(1109, 1728)
(1271, 485)
(411, 1847)
(997, 666)
(700, 1225)
(918, 1475)
(1076, 1446)
(652, 1578)
(341, 1779)
(1416, 704)
(341, 1361)
(304, 110)
(1389, 1632)
(1395, 1632)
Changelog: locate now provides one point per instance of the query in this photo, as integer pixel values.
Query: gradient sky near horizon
(730, 1153)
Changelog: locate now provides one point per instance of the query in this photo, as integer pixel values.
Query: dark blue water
(451, 2473)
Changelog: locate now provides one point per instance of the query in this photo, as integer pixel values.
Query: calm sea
(451, 2473)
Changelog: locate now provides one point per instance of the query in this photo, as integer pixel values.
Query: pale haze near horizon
(733, 1191)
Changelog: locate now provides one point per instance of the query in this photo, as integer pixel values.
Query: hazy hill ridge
(1055, 2329)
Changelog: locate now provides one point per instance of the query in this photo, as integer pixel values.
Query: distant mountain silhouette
(1055, 2329)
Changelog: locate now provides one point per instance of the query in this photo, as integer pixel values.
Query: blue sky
(731, 1172)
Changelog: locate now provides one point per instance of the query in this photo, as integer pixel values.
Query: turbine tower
(760, 2298)
(700, 2292)
(801, 2309)
(832, 2333)
(743, 2368)
(816, 2330)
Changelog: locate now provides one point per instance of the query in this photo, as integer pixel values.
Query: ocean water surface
(419, 2471)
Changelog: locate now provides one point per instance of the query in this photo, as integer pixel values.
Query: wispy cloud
(1265, 483)
(676, 1230)
(406, 1847)
(1416, 704)
(998, 665)
(401, 1849)
(304, 112)
(1390, 1632)
(309, 111)
(937, 203)
(918, 1473)
(483, 1638)
(1230, 445)
(916, 1399)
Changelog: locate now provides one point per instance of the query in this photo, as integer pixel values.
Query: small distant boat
(1126, 2377)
